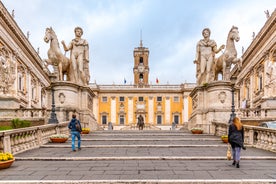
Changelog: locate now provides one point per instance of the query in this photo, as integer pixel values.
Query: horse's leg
(60, 70)
(66, 68)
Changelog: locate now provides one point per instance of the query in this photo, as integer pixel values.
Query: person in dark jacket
(74, 132)
(236, 139)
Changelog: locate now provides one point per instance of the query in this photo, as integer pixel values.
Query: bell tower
(141, 65)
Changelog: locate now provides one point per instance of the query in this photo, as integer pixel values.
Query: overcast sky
(170, 29)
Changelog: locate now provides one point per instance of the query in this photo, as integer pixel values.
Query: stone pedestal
(71, 98)
(210, 102)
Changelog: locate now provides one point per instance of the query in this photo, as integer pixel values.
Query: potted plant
(59, 138)
(224, 138)
(85, 130)
(6, 160)
(197, 130)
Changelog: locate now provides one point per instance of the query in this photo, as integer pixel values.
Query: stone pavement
(140, 157)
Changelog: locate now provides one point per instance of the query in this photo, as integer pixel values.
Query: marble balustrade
(258, 137)
(20, 140)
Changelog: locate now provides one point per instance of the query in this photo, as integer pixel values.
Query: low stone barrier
(20, 140)
(258, 137)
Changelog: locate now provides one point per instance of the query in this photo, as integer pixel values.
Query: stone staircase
(147, 156)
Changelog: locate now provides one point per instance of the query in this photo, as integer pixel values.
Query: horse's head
(49, 33)
(234, 34)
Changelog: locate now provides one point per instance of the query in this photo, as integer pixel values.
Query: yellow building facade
(160, 105)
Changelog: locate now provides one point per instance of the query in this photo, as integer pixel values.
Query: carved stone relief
(90, 102)
(7, 70)
(122, 107)
(270, 74)
(222, 96)
(61, 98)
(195, 102)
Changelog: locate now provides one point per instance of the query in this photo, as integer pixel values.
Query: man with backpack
(75, 128)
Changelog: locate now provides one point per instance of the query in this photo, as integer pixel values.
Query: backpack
(78, 126)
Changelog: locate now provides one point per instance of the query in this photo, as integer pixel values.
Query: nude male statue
(79, 56)
(205, 55)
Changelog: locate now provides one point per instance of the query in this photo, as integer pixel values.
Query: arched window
(141, 60)
(141, 77)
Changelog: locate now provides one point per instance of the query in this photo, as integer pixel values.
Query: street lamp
(232, 115)
(53, 119)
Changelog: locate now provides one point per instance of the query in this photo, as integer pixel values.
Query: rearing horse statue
(223, 63)
(55, 57)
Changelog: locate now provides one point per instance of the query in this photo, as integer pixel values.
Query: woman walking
(236, 139)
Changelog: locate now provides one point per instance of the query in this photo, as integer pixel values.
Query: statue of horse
(223, 63)
(55, 57)
(140, 122)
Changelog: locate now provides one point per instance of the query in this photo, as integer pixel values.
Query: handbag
(228, 153)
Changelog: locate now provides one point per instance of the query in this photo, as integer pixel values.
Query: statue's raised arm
(79, 55)
(205, 55)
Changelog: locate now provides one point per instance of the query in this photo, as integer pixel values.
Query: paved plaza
(140, 157)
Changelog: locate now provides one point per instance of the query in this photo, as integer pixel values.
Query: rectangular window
(20, 83)
(33, 93)
(247, 92)
(104, 99)
(159, 99)
(176, 119)
(141, 99)
(176, 98)
(260, 82)
(159, 119)
(122, 99)
(122, 119)
(104, 119)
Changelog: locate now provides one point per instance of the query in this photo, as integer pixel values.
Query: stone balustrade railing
(256, 113)
(28, 113)
(31, 113)
(258, 137)
(20, 140)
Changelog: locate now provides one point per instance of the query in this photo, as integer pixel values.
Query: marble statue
(205, 54)
(7, 71)
(270, 82)
(79, 56)
(56, 58)
(223, 63)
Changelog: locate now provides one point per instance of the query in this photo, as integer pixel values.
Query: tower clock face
(141, 68)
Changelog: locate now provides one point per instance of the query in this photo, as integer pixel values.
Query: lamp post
(53, 118)
(233, 114)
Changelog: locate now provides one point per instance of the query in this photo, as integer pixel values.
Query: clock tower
(141, 65)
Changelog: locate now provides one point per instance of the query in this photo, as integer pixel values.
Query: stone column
(167, 110)
(151, 110)
(185, 111)
(113, 110)
(130, 110)
(96, 107)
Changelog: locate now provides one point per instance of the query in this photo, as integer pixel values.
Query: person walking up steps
(236, 139)
(75, 128)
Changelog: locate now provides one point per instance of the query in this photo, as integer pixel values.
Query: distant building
(158, 104)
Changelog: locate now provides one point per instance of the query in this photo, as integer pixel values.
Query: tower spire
(141, 41)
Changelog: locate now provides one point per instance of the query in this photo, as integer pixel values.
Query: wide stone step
(140, 171)
(140, 157)
(181, 151)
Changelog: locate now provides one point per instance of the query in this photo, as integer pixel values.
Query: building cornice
(20, 39)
